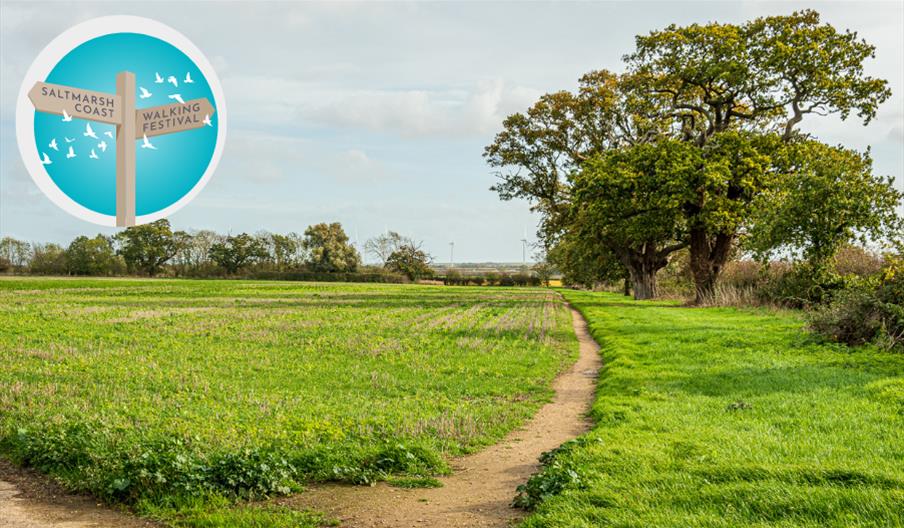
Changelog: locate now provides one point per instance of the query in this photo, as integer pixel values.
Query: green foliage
(93, 256)
(816, 442)
(625, 205)
(411, 261)
(15, 253)
(803, 286)
(328, 249)
(48, 259)
(237, 252)
(146, 248)
(826, 197)
(688, 146)
(558, 473)
(866, 313)
(285, 250)
(180, 397)
(540, 150)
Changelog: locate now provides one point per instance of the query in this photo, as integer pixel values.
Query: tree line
(155, 248)
(696, 147)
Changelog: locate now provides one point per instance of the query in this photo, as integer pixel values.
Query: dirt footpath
(30, 500)
(481, 488)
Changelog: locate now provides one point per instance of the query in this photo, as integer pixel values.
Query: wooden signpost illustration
(131, 124)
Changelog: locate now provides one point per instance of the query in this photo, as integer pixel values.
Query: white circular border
(48, 59)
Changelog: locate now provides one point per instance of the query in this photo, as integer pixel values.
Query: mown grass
(173, 396)
(722, 417)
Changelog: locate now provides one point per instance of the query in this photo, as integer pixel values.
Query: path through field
(481, 488)
(28, 500)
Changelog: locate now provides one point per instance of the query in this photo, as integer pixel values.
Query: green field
(722, 417)
(152, 392)
(178, 397)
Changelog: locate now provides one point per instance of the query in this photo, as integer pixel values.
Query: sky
(375, 115)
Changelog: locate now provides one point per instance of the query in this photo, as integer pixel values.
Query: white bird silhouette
(53, 145)
(207, 120)
(102, 146)
(93, 154)
(109, 134)
(71, 153)
(46, 159)
(68, 140)
(66, 116)
(172, 80)
(177, 97)
(89, 132)
(158, 79)
(144, 93)
(147, 144)
(188, 79)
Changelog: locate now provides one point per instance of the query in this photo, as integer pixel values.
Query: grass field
(729, 418)
(152, 392)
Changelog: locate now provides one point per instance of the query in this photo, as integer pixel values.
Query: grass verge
(724, 417)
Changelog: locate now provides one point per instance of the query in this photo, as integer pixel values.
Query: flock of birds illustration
(102, 145)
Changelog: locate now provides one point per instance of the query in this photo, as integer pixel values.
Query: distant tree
(15, 252)
(193, 257)
(237, 252)
(543, 270)
(284, 249)
(146, 248)
(328, 249)
(48, 259)
(383, 245)
(410, 261)
(826, 197)
(92, 256)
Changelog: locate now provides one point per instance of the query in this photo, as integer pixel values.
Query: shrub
(506, 280)
(802, 287)
(866, 313)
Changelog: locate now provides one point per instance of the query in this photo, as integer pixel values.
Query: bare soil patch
(31, 500)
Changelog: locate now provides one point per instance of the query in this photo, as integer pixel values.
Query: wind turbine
(451, 255)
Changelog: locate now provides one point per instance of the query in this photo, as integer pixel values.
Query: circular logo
(121, 120)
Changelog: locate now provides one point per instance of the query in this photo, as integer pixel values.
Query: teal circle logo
(121, 121)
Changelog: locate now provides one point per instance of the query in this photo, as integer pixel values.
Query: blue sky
(376, 114)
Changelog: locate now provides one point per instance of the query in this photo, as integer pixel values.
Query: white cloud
(477, 110)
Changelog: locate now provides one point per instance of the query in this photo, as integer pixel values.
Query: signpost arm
(125, 151)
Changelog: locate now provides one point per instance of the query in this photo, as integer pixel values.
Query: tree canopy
(146, 248)
(328, 248)
(691, 142)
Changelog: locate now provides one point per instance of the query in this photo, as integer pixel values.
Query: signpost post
(131, 124)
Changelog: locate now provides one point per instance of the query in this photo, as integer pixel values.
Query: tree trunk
(644, 279)
(708, 257)
(642, 266)
(627, 287)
